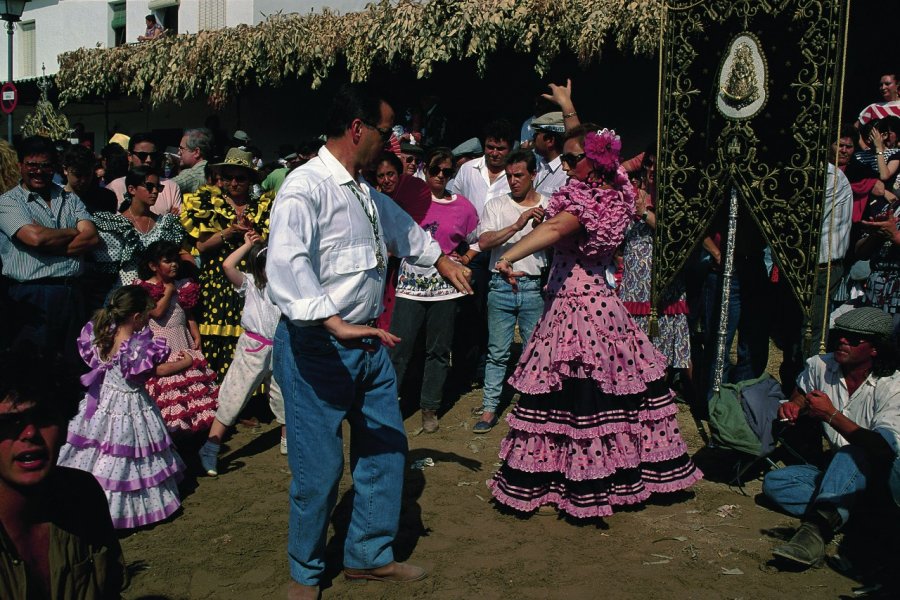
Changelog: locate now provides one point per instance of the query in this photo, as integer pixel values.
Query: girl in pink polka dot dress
(595, 425)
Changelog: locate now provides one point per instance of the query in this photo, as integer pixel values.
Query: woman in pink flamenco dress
(595, 426)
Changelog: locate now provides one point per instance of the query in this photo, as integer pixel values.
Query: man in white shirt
(142, 152)
(855, 393)
(329, 240)
(548, 139)
(479, 180)
(506, 220)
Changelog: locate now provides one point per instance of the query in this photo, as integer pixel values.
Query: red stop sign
(9, 97)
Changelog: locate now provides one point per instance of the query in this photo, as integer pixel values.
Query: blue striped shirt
(19, 207)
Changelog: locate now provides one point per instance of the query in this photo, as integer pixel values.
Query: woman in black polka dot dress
(595, 425)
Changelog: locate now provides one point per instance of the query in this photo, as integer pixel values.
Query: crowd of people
(319, 281)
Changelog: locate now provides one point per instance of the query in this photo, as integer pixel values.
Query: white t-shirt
(260, 314)
(503, 211)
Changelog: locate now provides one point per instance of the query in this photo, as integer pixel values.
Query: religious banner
(749, 101)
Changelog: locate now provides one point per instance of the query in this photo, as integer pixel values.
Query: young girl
(187, 399)
(119, 435)
(252, 362)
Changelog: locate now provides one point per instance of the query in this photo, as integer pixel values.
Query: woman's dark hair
(886, 361)
(436, 156)
(116, 165)
(393, 159)
(256, 263)
(154, 253)
(579, 132)
(79, 160)
(124, 302)
(134, 177)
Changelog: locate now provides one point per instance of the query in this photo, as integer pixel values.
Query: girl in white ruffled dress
(118, 434)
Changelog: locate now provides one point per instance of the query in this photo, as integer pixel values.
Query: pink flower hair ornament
(603, 148)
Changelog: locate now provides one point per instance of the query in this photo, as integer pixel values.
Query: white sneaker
(283, 446)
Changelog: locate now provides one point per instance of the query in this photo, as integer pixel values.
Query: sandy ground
(714, 542)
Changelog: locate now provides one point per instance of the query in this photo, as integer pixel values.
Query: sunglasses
(152, 187)
(238, 178)
(143, 156)
(14, 422)
(409, 160)
(852, 339)
(38, 166)
(572, 159)
(435, 171)
(385, 132)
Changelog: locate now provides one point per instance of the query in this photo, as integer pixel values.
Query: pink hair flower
(603, 148)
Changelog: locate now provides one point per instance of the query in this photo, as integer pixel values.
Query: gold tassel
(654, 323)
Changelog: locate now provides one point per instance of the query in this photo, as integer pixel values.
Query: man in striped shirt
(45, 232)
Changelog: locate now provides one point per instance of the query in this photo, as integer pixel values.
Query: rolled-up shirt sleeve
(292, 265)
(886, 420)
(403, 236)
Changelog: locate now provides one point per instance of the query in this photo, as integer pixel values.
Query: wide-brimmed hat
(868, 321)
(241, 159)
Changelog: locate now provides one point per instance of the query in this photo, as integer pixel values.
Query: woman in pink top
(426, 298)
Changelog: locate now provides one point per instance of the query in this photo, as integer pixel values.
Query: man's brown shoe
(429, 421)
(394, 572)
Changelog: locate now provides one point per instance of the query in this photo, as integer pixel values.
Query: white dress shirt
(501, 212)
(473, 182)
(875, 404)
(550, 176)
(322, 248)
(843, 212)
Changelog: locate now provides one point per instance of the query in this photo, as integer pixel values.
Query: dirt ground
(229, 542)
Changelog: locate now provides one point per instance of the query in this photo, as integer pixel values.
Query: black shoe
(806, 547)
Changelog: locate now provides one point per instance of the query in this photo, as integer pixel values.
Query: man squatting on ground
(329, 240)
(855, 393)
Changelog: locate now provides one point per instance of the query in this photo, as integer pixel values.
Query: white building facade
(50, 27)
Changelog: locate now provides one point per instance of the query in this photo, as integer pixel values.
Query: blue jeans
(324, 383)
(797, 488)
(505, 307)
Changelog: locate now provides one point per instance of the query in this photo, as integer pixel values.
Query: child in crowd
(252, 362)
(118, 434)
(187, 399)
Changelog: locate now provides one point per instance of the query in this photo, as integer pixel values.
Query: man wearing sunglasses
(142, 151)
(548, 140)
(855, 393)
(46, 231)
(329, 240)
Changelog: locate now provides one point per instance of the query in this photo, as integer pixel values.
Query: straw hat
(241, 159)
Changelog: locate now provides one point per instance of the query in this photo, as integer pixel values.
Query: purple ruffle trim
(133, 485)
(147, 518)
(122, 450)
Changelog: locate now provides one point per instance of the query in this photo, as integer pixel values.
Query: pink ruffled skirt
(187, 400)
(595, 426)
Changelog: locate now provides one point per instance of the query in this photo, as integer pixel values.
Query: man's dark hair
(150, 17)
(553, 135)
(523, 156)
(116, 161)
(849, 131)
(199, 137)
(140, 138)
(79, 160)
(501, 129)
(24, 380)
(34, 145)
(886, 361)
(353, 101)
